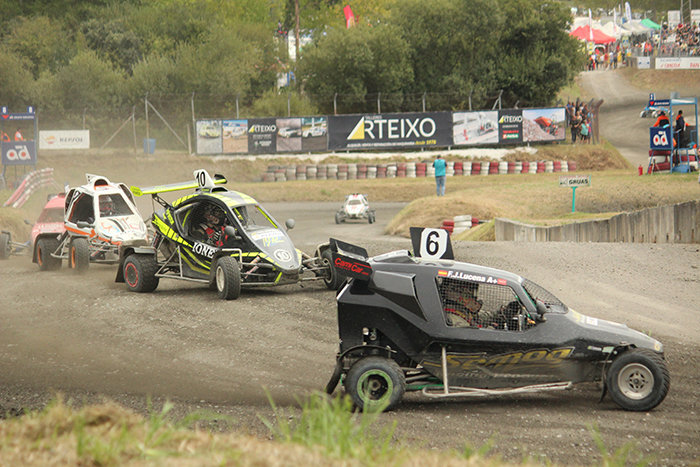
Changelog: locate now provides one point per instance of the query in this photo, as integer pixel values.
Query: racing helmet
(213, 214)
(106, 205)
(464, 294)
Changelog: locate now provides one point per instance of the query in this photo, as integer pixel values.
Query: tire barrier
(362, 171)
(32, 182)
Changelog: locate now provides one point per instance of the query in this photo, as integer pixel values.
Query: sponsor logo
(263, 129)
(204, 250)
(393, 128)
(660, 139)
(536, 357)
(511, 119)
(352, 267)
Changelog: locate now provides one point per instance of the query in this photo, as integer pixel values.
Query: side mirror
(290, 223)
(541, 310)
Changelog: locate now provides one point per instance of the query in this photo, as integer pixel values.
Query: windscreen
(114, 205)
(252, 217)
(539, 293)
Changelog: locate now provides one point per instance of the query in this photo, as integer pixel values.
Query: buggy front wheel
(140, 273)
(227, 277)
(638, 380)
(44, 248)
(375, 384)
(79, 254)
(4, 245)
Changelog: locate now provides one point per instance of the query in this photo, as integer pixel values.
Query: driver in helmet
(462, 305)
(106, 206)
(211, 230)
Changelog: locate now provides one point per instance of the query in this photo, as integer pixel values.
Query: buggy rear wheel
(338, 219)
(375, 384)
(79, 254)
(228, 278)
(140, 273)
(332, 279)
(4, 245)
(44, 248)
(638, 380)
(371, 218)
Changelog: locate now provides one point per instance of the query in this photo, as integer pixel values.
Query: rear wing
(350, 260)
(202, 180)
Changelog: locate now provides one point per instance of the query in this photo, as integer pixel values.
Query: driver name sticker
(471, 277)
(204, 250)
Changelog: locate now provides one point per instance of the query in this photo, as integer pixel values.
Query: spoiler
(350, 260)
(201, 180)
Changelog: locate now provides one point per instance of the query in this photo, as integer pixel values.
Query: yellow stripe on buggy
(152, 190)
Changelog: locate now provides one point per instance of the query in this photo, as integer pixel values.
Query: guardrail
(32, 182)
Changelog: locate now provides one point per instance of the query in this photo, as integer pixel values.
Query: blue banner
(660, 138)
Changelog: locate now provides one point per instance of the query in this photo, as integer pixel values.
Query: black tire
(140, 273)
(638, 380)
(228, 278)
(331, 278)
(4, 246)
(375, 384)
(335, 377)
(337, 218)
(44, 248)
(79, 254)
(371, 218)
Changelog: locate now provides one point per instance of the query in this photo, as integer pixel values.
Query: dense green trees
(72, 58)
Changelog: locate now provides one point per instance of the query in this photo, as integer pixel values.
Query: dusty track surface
(88, 338)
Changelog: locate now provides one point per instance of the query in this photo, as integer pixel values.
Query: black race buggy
(247, 248)
(449, 329)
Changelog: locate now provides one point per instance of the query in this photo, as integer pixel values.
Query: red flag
(349, 17)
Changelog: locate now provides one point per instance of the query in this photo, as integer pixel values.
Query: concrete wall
(679, 223)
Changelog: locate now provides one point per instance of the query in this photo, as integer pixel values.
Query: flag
(349, 17)
(590, 26)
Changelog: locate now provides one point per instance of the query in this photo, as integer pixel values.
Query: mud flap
(335, 377)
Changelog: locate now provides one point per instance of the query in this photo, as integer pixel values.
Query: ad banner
(543, 125)
(401, 130)
(510, 126)
(262, 135)
(64, 139)
(18, 153)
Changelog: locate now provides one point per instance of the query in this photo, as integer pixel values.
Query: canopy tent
(613, 30)
(636, 27)
(599, 37)
(646, 22)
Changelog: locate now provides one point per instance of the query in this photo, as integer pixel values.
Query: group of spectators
(681, 41)
(605, 60)
(579, 118)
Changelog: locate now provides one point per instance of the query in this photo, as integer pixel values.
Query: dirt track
(87, 337)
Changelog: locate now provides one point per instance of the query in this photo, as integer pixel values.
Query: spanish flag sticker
(442, 273)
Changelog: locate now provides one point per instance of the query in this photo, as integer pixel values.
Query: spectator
(576, 126)
(18, 135)
(440, 171)
(662, 120)
(680, 128)
(4, 137)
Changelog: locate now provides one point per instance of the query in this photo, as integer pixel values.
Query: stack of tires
(311, 171)
(401, 170)
(332, 171)
(361, 171)
(322, 172)
(371, 171)
(449, 168)
(352, 171)
(410, 169)
(342, 172)
(462, 223)
(467, 168)
(421, 169)
(459, 168)
(449, 225)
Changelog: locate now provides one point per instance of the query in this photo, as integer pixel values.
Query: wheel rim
(329, 274)
(132, 275)
(635, 381)
(220, 279)
(375, 387)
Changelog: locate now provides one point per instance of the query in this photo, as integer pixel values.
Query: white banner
(644, 62)
(64, 139)
(678, 63)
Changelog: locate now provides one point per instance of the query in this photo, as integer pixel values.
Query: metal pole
(573, 199)
(335, 104)
(192, 107)
(237, 106)
(424, 93)
(379, 102)
(296, 29)
(470, 98)
(133, 126)
(289, 105)
(145, 104)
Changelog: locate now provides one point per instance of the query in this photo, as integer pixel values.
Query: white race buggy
(99, 217)
(355, 206)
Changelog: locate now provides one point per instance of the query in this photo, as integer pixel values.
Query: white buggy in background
(355, 206)
(100, 216)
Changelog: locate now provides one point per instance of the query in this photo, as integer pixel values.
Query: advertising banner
(660, 138)
(475, 127)
(209, 137)
(262, 135)
(314, 133)
(288, 134)
(19, 153)
(235, 136)
(510, 126)
(68, 139)
(678, 63)
(548, 124)
(401, 130)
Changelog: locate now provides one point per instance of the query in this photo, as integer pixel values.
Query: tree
(42, 41)
(355, 63)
